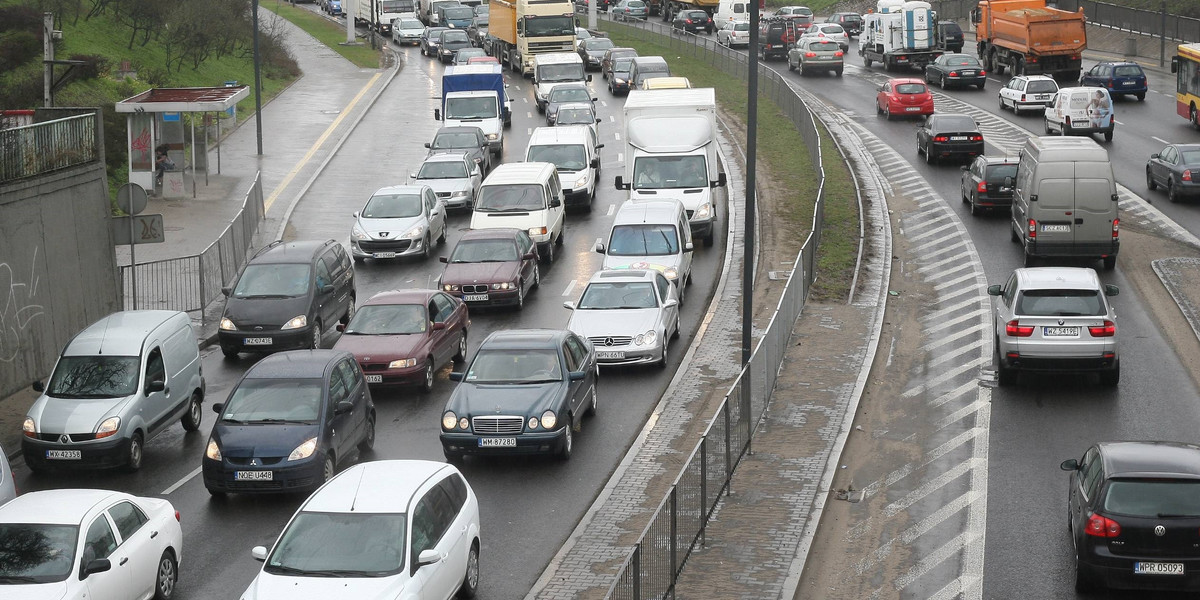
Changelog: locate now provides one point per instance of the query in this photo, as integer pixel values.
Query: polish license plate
(258, 341)
(374, 378)
(475, 297)
(1135, 83)
(254, 475)
(385, 255)
(1042, 98)
(601, 354)
(1157, 568)
(1005, 189)
(1056, 229)
(1060, 332)
(958, 138)
(497, 442)
(912, 108)
(64, 454)
(968, 73)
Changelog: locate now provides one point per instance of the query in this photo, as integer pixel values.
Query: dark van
(776, 34)
(949, 36)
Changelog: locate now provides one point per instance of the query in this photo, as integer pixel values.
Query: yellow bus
(1186, 67)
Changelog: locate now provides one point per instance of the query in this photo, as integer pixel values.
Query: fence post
(637, 571)
(728, 451)
(203, 300)
(703, 488)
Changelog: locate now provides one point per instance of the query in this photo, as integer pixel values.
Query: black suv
(693, 21)
(850, 21)
(287, 297)
(949, 36)
(776, 34)
(983, 182)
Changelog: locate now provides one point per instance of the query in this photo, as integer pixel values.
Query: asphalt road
(528, 505)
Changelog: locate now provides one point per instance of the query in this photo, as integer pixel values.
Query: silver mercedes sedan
(454, 178)
(629, 316)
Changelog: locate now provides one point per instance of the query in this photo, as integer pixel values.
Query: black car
(850, 21)
(287, 297)
(478, 30)
(693, 21)
(619, 74)
(1133, 510)
(776, 35)
(526, 391)
(949, 36)
(566, 93)
(1120, 78)
(469, 140)
(1177, 168)
(290, 422)
(946, 135)
(452, 41)
(983, 182)
(956, 69)
(431, 39)
(592, 51)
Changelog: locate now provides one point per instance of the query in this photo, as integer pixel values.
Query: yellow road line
(320, 141)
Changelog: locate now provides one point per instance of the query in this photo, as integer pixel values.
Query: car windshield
(444, 141)
(564, 72)
(561, 94)
(514, 366)
(635, 4)
(483, 107)
(1128, 71)
(443, 169)
(582, 33)
(831, 29)
(459, 12)
(622, 64)
(643, 240)
(461, 57)
(395, 6)
(410, 24)
(389, 319)
(741, 26)
(475, 251)
(618, 295)
(997, 173)
(1041, 86)
(36, 553)
(962, 60)
(1060, 303)
(436, 35)
(94, 377)
(273, 281)
(455, 36)
(392, 206)
(910, 88)
(274, 400)
(824, 46)
(480, 22)
(567, 157)
(511, 198)
(599, 44)
(667, 172)
(549, 26)
(343, 544)
(575, 116)
(954, 123)
(1154, 498)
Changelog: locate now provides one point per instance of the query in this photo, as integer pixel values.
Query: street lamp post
(257, 80)
(748, 249)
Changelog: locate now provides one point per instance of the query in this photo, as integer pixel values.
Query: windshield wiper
(17, 579)
(496, 260)
(289, 570)
(509, 210)
(534, 381)
(286, 421)
(277, 296)
(632, 307)
(229, 420)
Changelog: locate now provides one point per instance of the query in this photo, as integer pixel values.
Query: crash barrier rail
(653, 565)
(189, 283)
(48, 146)
(1134, 20)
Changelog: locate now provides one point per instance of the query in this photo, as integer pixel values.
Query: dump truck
(899, 34)
(1029, 38)
(518, 29)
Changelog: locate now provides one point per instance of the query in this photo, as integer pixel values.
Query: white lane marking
(932, 329)
(529, 114)
(620, 157)
(612, 119)
(603, 103)
(570, 288)
(612, 208)
(951, 548)
(528, 131)
(1117, 122)
(1160, 140)
(525, 100)
(946, 340)
(618, 136)
(975, 364)
(179, 484)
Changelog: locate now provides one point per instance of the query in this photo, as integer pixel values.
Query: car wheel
(568, 446)
(1150, 180)
(943, 82)
(315, 342)
(838, 71)
(1141, 97)
(1194, 118)
(1172, 195)
(791, 67)
(1000, 101)
(1110, 262)
(592, 406)
(427, 251)
(1046, 123)
(133, 456)
(442, 236)
(559, 240)
(887, 111)
(549, 257)
(349, 311)
(328, 469)
(537, 277)
(928, 155)
(453, 457)
(662, 360)
(1030, 260)
(1013, 236)
(1111, 377)
(195, 413)
(229, 353)
(1108, 136)
(470, 583)
(368, 442)
(427, 380)
(1004, 375)
(168, 574)
(975, 210)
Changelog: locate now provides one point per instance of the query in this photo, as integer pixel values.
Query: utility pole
(48, 59)
(257, 81)
(592, 13)
(351, 10)
(748, 250)
(1162, 36)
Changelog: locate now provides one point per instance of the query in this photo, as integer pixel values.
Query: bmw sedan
(526, 391)
(949, 136)
(454, 178)
(401, 220)
(492, 267)
(956, 69)
(630, 316)
(1177, 168)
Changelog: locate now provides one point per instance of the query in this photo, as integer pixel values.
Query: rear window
(1191, 157)
(997, 173)
(951, 28)
(954, 123)
(1041, 86)
(824, 46)
(697, 14)
(1127, 71)
(832, 29)
(1061, 303)
(1156, 498)
(910, 88)
(962, 60)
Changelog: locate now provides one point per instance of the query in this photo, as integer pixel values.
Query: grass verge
(327, 32)
(838, 253)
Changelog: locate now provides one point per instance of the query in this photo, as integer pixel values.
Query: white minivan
(575, 153)
(553, 68)
(1081, 111)
(731, 11)
(651, 234)
(527, 196)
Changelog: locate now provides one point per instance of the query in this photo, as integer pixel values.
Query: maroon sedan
(492, 267)
(405, 336)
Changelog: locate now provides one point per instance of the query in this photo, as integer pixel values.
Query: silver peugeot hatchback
(1055, 319)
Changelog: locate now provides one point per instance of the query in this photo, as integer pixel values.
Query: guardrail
(189, 283)
(653, 565)
(48, 146)
(1134, 20)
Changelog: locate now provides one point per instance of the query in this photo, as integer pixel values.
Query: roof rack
(265, 248)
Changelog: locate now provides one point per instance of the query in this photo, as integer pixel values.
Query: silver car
(630, 316)
(578, 113)
(401, 220)
(626, 10)
(8, 487)
(811, 55)
(407, 31)
(1055, 319)
(454, 178)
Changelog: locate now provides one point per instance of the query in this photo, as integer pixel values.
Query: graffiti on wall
(18, 307)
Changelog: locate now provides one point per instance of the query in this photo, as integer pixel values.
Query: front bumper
(286, 476)
(578, 197)
(509, 297)
(965, 81)
(611, 356)
(108, 452)
(386, 248)
(407, 39)
(292, 339)
(593, 62)
(380, 374)
(549, 442)
(702, 228)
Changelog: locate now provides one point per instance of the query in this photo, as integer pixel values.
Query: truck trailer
(899, 34)
(1030, 38)
(519, 29)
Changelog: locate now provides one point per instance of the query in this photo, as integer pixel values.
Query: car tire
(1150, 180)
(470, 582)
(929, 160)
(133, 456)
(711, 238)
(442, 236)
(368, 442)
(1141, 97)
(537, 277)
(549, 254)
(975, 209)
(662, 360)
(461, 354)
(427, 375)
(350, 310)
(887, 111)
(427, 251)
(942, 83)
(1000, 101)
(1005, 376)
(195, 413)
(315, 342)
(230, 353)
(1111, 377)
(1030, 260)
(166, 576)
(1172, 195)
(453, 458)
(1013, 236)
(1110, 262)
(1045, 122)
(1108, 136)
(838, 71)
(792, 67)
(568, 446)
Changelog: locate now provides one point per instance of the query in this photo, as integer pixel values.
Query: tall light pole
(751, 162)
(257, 81)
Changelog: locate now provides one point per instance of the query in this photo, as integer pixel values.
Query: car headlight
(551, 117)
(108, 427)
(402, 363)
(28, 427)
(227, 325)
(549, 419)
(533, 423)
(450, 287)
(537, 231)
(213, 451)
(704, 211)
(356, 233)
(493, 137)
(459, 194)
(449, 420)
(619, 81)
(296, 322)
(504, 286)
(415, 232)
(671, 273)
(304, 450)
(646, 339)
(582, 181)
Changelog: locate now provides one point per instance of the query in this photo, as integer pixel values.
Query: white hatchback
(374, 530)
(1025, 92)
(827, 31)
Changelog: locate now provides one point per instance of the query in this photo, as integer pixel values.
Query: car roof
(400, 189)
(378, 486)
(1058, 278)
(119, 334)
(622, 275)
(899, 80)
(562, 134)
(524, 339)
(1037, 77)
(1089, 89)
(661, 210)
(298, 252)
(522, 172)
(649, 60)
(456, 155)
(569, 105)
(409, 296)
(295, 364)
(493, 233)
(999, 160)
(557, 58)
(1119, 63)
(1150, 458)
(459, 129)
(59, 507)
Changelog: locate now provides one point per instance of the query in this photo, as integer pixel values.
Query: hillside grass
(327, 32)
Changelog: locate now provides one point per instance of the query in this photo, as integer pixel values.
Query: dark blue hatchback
(1119, 77)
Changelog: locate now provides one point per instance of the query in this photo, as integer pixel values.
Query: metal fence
(678, 524)
(42, 147)
(1135, 20)
(189, 283)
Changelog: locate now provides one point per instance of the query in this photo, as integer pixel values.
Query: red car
(903, 96)
(405, 336)
(492, 267)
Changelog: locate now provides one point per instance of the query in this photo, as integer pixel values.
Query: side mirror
(994, 290)
(600, 247)
(38, 386)
(325, 289)
(218, 407)
(599, 146)
(1155, 155)
(456, 376)
(259, 553)
(438, 325)
(670, 303)
(595, 164)
(1070, 464)
(437, 114)
(99, 565)
(340, 328)
(226, 291)
(155, 386)
(555, 203)
(619, 183)
(529, 256)
(426, 144)
(721, 180)
(569, 305)
(343, 407)
(1111, 290)
(589, 78)
(688, 247)
(354, 214)
(444, 259)
(578, 375)
(428, 557)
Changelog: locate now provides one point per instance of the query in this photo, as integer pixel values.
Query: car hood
(488, 125)
(263, 441)
(380, 347)
(475, 399)
(604, 323)
(393, 228)
(37, 591)
(658, 263)
(446, 185)
(74, 415)
(271, 313)
(621, 74)
(480, 272)
(267, 586)
(471, 151)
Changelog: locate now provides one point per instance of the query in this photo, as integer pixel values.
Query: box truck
(474, 95)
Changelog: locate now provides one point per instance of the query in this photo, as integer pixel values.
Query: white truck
(476, 96)
(378, 15)
(671, 152)
(899, 34)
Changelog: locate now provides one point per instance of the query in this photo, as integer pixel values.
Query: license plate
(966, 73)
(1157, 568)
(1042, 97)
(385, 255)
(475, 297)
(1005, 189)
(498, 442)
(258, 341)
(374, 378)
(958, 138)
(254, 475)
(1135, 83)
(64, 454)
(1060, 332)
(912, 108)
(609, 354)
(1056, 229)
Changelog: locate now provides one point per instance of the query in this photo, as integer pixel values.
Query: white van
(576, 155)
(1081, 110)
(526, 196)
(553, 68)
(731, 11)
(1065, 201)
(116, 385)
(651, 234)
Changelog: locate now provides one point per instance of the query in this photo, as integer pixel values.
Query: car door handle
(153, 534)
(1079, 221)
(124, 559)
(166, 391)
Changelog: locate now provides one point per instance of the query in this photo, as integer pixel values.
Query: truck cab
(553, 69)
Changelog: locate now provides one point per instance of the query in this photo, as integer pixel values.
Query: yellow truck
(519, 29)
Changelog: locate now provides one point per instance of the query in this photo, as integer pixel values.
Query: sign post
(131, 198)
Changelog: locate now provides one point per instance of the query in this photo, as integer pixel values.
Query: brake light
(1187, 175)
(954, 73)
(1022, 97)
(1116, 228)
(1032, 228)
(982, 72)
(1104, 527)
(176, 515)
(1109, 84)
(839, 53)
(977, 138)
(688, 21)
(982, 187)
(1108, 329)
(941, 138)
(809, 54)
(1014, 329)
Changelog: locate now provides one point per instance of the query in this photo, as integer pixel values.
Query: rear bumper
(1116, 572)
(947, 150)
(1070, 249)
(1058, 364)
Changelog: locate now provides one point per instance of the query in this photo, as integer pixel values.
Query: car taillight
(688, 21)
(1187, 175)
(839, 53)
(977, 138)
(1116, 228)
(941, 138)
(1022, 97)
(176, 515)
(1032, 228)
(982, 187)
(1108, 329)
(809, 54)
(1104, 527)
(1014, 328)
(1109, 84)
(982, 72)
(954, 73)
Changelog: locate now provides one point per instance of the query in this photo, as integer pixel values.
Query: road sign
(131, 196)
(147, 229)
